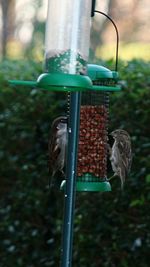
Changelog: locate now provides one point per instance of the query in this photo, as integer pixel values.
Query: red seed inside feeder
(92, 156)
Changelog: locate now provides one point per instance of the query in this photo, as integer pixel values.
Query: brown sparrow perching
(57, 147)
(121, 154)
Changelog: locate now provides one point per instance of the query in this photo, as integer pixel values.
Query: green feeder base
(93, 186)
(82, 186)
(88, 182)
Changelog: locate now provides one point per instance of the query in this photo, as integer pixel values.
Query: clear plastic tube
(67, 35)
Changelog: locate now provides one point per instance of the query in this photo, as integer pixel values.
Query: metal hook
(117, 35)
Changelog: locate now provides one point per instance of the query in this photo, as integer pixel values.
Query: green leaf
(147, 178)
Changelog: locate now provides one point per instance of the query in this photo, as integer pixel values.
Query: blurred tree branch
(8, 21)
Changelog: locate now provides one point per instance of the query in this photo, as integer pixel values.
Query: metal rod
(93, 8)
(73, 133)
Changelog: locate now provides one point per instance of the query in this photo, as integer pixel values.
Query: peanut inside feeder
(92, 149)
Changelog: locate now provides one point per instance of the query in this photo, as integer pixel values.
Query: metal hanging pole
(70, 189)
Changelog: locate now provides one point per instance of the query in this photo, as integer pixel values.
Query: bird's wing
(126, 154)
(53, 151)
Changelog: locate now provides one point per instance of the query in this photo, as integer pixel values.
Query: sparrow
(121, 155)
(57, 146)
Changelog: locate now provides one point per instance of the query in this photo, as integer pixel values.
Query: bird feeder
(66, 47)
(92, 149)
(93, 135)
(66, 69)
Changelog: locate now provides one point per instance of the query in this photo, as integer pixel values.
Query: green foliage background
(111, 229)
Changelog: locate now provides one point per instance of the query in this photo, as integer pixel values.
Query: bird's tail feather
(122, 180)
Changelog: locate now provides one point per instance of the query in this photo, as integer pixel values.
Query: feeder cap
(96, 72)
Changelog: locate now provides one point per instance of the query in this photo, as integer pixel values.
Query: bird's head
(119, 133)
(59, 123)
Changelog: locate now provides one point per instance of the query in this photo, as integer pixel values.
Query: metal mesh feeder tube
(93, 135)
(92, 148)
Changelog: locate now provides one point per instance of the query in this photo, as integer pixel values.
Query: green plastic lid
(96, 72)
